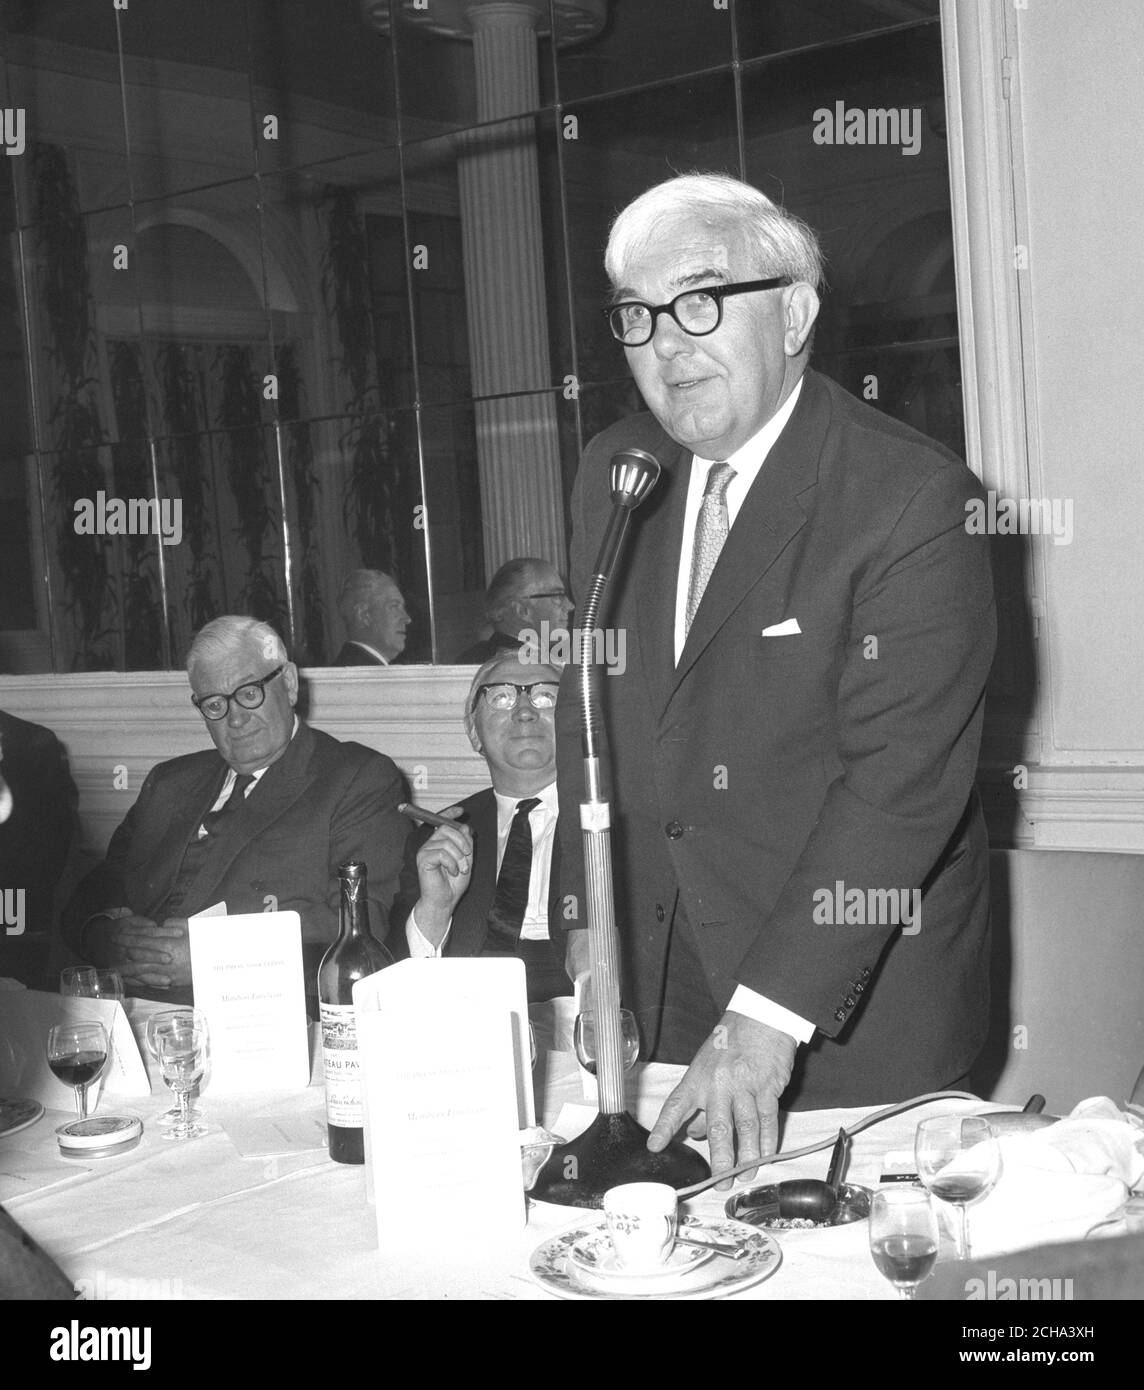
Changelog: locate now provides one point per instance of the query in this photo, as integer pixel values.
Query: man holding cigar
(486, 885)
(810, 628)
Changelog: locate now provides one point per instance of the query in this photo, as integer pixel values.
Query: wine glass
(181, 1049)
(959, 1160)
(584, 1039)
(86, 982)
(171, 1117)
(903, 1237)
(77, 1053)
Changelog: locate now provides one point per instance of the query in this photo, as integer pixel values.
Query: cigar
(429, 817)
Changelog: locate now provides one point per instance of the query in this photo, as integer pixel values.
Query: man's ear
(290, 676)
(801, 310)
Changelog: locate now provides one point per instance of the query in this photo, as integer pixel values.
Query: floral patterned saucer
(559, 1266)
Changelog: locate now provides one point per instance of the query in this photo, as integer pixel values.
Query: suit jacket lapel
(773, 511)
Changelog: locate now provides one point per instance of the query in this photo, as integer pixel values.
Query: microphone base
(613, 1150)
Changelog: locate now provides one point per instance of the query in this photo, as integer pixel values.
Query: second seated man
(487, 886)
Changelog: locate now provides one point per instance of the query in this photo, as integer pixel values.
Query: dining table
(208, 1219)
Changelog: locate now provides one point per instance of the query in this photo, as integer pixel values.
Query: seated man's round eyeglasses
(697, 312)
(504, 695)
(249, 696)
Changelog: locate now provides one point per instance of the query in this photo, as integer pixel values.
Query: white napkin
(1060, 1182)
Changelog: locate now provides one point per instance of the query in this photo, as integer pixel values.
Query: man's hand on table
(144, 952)
(732, 1090)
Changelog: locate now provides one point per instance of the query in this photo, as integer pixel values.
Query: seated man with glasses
(487, 886)
(261, 824)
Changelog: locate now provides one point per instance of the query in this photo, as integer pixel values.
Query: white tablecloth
(197, 1220)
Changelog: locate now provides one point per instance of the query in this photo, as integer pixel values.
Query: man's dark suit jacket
(485, 650)
(34, 840)
(471, 919)
(353, 655)
(322, 803)
(763, 769)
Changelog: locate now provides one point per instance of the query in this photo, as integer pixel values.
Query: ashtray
(103, 1136)
(767, 1208)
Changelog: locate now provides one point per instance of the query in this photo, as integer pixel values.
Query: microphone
(634, 473)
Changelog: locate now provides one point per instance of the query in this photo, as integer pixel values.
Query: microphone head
(634, 473)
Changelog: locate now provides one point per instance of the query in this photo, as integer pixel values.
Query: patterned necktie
(215, 822)
(511, 898)
(710, 532)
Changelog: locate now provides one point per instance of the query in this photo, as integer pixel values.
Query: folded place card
(248, 980)
(447, 1084)
(25, 1020)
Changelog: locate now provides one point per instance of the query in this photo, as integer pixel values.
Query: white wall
(1080, 93)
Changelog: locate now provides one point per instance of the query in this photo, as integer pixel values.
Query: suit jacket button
(673, 830)
(840, 1015)
(857, 986)
(864, 973)
(659, 912)
(850, 1001)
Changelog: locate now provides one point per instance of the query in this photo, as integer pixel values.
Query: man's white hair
(224, 635)
(776, 242)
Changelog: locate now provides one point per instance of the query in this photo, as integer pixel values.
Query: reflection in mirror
(327, 280)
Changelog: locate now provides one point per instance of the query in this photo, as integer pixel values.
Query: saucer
(555, 1269)
(593, 1261)
(16, 1115)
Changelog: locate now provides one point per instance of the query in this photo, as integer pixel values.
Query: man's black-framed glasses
(697, 312)
(504, 695)
(248, 696)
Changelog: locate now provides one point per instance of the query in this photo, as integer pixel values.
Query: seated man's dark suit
(469, 930)
(35, 840)
(352, 654)
(485, 650)
(321, 803)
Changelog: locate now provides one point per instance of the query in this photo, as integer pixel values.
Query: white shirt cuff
(763, 1010)
(419, 948)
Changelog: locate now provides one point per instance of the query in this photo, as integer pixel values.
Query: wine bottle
(355, 954)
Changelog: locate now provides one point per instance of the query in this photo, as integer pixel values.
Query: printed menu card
(447, 1085)
(248, 980)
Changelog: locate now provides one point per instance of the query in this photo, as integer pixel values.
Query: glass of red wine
(584, 1040)
(959, 1160)
(903, 1237)
(77, 1053)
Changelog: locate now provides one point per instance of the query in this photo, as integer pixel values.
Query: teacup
(641, 1218)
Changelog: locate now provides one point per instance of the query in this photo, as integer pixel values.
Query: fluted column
(517, 438)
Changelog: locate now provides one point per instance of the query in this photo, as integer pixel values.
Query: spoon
(732, 1252)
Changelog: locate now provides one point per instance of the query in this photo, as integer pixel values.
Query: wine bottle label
(340, 1066)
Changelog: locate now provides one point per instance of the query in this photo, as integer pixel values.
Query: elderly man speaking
(794, 740)
(488, 886)
(260, 824)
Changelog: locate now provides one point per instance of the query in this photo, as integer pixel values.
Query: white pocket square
(787, 629)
